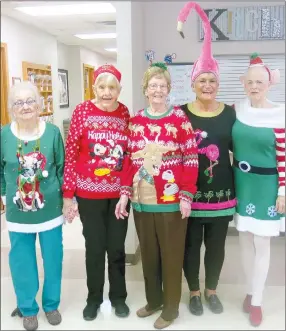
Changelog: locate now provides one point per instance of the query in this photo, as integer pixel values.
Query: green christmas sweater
(31, 178)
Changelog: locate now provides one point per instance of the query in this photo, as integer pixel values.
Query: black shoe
(121, 309)
(195, 305)
(90, 311)
(214, 303)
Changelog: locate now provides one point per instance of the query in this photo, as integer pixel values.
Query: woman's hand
(280, 204)
(185, 209)
(70, 209)
(120, 209)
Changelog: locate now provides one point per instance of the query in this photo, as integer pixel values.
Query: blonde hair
(156, 72)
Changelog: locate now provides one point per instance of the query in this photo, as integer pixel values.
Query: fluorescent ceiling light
(74, 9)
(111, 49)
(96, 36)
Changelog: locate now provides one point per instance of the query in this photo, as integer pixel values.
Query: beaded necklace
(36, 149)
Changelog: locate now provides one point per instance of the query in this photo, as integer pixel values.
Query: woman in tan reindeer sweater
(160, 178)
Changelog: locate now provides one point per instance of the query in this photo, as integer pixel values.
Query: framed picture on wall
(16, 80)
(63, 88)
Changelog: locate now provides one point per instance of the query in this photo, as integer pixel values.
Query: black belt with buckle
(246, 167)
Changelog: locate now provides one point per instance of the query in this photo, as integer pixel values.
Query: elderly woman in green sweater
(32, 160)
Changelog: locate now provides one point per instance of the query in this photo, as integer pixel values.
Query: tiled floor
(231, 292)
(73, 300)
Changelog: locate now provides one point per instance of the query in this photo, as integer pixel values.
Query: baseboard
(133, 259)
(232, 231)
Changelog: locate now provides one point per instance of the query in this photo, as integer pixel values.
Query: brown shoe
(160, 323)
(143, 312)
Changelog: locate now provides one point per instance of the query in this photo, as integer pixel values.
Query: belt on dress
(246, 167)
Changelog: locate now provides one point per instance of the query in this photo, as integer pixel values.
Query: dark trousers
(103, 233)
(214, 235)
(162, 243)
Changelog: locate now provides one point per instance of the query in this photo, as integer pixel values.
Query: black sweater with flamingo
(215, 196)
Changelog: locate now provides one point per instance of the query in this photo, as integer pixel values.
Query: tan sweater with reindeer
(162, 161)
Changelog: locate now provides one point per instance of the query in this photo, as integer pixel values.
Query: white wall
(139, 64)
(94, 59)
(162, 37)
(63, 52)
(25, 43)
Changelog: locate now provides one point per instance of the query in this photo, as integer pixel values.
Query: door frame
(90, 69)
(5, 116)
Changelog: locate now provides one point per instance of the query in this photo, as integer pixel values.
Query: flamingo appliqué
(211, 152)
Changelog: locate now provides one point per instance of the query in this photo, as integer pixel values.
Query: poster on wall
(181, 90)
(63, 88)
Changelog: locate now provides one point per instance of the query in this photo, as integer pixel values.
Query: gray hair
(23, 86)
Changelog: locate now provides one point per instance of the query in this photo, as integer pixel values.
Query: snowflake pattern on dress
(272, 211)
(250, 209)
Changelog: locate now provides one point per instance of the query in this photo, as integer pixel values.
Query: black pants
(214, 234)
(103, 233)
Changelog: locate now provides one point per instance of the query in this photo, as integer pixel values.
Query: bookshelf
(41, 76)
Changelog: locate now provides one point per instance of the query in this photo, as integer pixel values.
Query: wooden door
(4, 85)
(4, 91)
(88, 81)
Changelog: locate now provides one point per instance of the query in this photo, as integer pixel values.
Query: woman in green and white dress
(259, 168)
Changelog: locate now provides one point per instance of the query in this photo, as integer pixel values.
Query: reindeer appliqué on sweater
(152, 155)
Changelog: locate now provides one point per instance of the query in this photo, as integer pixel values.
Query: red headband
(107, 68)
(256, 60)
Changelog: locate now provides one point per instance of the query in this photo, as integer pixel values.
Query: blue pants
(24, 270)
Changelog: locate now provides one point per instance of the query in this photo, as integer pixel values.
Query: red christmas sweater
(161, 166)
(95, 149)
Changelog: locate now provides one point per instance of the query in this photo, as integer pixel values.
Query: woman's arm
(126, 180)
(2, 170)
(59, 155)
(72, 152)
(188, 145)
(128, 169)
(280, 158)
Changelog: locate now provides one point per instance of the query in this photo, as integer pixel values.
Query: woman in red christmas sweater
(160, 177)
(95, 149)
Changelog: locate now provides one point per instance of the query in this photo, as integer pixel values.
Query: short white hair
(23, 86)
(108, 78)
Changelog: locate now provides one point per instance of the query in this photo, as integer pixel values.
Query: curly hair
(158, 72)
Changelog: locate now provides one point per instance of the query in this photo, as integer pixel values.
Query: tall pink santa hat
(205, 62)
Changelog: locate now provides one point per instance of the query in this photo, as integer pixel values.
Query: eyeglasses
(21, 103)
(155, 87)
